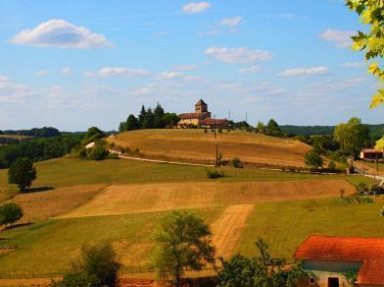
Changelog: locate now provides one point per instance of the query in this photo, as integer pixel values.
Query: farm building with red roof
(329, 258)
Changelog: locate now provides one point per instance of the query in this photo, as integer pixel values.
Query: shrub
(332, 166)
(97, 266)
(10, 213)
(236, 162)
(213, 174)
(313, 159)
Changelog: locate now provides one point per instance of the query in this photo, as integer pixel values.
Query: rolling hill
(198, 146)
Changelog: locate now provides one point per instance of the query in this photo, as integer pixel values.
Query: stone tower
(201, 107)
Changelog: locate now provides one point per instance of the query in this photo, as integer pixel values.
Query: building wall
(188, 122)
(322, 270)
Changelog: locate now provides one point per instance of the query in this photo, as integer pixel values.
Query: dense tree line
(45, 132)
(149, 119)
(39, 149)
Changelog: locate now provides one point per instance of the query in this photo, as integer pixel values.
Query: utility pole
(246, 117)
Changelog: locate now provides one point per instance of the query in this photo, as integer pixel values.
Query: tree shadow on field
(13, 226)
(38, 189)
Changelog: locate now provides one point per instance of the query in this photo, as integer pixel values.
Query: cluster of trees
(10, 213)
(39, 149)
(272, 129)
(149, 119)
(184, 242)
(45, 132)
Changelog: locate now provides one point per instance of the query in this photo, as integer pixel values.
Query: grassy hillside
(122, 201)
(197, 146)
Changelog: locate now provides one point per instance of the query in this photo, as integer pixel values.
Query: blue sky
(76, 64)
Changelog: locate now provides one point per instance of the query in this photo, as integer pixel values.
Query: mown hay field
(139, 198)
(197, 146)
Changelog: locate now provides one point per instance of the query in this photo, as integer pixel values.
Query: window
(312, 280)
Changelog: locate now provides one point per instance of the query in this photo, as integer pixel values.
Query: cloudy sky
(75, 64)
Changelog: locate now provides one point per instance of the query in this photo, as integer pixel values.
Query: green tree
(351, 136)
(93, 134)
(372, 42)
(170, 120)
(10, 213)
(132, 123)
(273, 128)
(261, 271)
(97, 266)
(158, 117)
(313, 159)
(142, 116)
(260, 127)
(149, 119)
(22, 172)
(99, 151)
(183, 242)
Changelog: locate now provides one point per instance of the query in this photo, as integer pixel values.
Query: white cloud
(186, 67)
(354, 65)
(60, 34)
(231, 22)
(250, 70)
(11, 92)
(196, 7)
(169, 75)
(66, 71)
(123, 72)
(40, 73)
(341, 39)
(238, 55)
(305, 71)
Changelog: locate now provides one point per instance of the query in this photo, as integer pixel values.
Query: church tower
(201, 107)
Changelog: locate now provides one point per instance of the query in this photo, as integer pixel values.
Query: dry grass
(228, 228)
(197, 146)
(138, 198)
(47, 204)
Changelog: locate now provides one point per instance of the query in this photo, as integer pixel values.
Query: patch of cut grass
(284, 225)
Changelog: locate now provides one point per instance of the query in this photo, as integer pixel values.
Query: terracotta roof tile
(369, 251)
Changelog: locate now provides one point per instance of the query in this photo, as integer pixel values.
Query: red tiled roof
(212, 121)
(371, 151)
(192, 116)
(372, 272)
(369, 251)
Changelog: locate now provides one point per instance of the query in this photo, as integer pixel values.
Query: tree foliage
(10, 213)
(97, 266)
(261, 271)
(93, 134)
(313, 159)
(183, 242)
(371, 13)
(22, 172)
(351, 136)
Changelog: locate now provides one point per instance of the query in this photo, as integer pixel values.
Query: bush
(10, 213)
(313, 159)
(213, 174)
(332, 166)
(236, 162)
(97, 266)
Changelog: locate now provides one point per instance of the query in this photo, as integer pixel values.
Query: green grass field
(49, 246)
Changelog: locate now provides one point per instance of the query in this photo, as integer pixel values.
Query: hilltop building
(201, 118)
(329, 259)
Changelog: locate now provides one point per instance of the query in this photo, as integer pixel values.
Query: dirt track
(228, 228)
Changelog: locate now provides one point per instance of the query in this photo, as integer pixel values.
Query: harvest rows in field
(197, 146)
(139, 198)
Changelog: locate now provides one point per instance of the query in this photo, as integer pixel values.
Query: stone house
(201, 118)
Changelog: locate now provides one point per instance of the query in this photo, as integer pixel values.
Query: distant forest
(376, 131)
